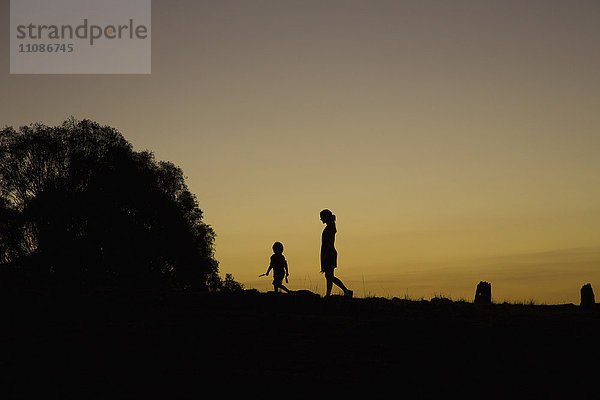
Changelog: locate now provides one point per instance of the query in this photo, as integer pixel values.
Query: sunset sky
(456, 141)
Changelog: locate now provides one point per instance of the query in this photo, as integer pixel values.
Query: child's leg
(277, 283)
(284, 288)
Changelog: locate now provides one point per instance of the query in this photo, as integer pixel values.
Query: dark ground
(177, 344)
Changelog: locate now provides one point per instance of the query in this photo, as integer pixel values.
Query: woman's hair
(327, 216)
(277, 247)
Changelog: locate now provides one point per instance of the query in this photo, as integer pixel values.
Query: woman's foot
(349, 293)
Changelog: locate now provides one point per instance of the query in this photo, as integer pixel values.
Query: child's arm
(270, 267)
(286, 269)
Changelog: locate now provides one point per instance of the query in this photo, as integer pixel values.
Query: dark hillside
(173, 344)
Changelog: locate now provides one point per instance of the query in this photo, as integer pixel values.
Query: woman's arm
(328, 239)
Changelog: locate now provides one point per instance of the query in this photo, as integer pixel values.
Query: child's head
(277, 248)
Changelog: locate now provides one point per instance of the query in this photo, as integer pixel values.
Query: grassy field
(179, 344)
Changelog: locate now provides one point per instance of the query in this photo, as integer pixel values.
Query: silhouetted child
(279, 266)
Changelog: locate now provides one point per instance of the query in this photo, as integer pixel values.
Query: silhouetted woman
(329, 253)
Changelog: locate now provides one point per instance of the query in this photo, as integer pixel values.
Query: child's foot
(349, 293)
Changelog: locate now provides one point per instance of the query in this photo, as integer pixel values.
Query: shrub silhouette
(79, 206)
(483, 293)
(587, 296)
(228, 284)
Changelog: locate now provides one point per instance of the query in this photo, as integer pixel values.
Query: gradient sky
(456, 141)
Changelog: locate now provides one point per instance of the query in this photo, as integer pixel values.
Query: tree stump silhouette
(587, 296)
(483, 294)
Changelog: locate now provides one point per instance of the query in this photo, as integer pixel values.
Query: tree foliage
(78, 205)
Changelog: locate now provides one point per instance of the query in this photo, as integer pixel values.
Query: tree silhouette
(78, 205)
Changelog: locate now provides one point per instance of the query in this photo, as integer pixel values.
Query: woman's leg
(338, 282)
(331, 279)
(329, 285)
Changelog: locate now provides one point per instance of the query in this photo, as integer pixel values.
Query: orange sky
(455, 141)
